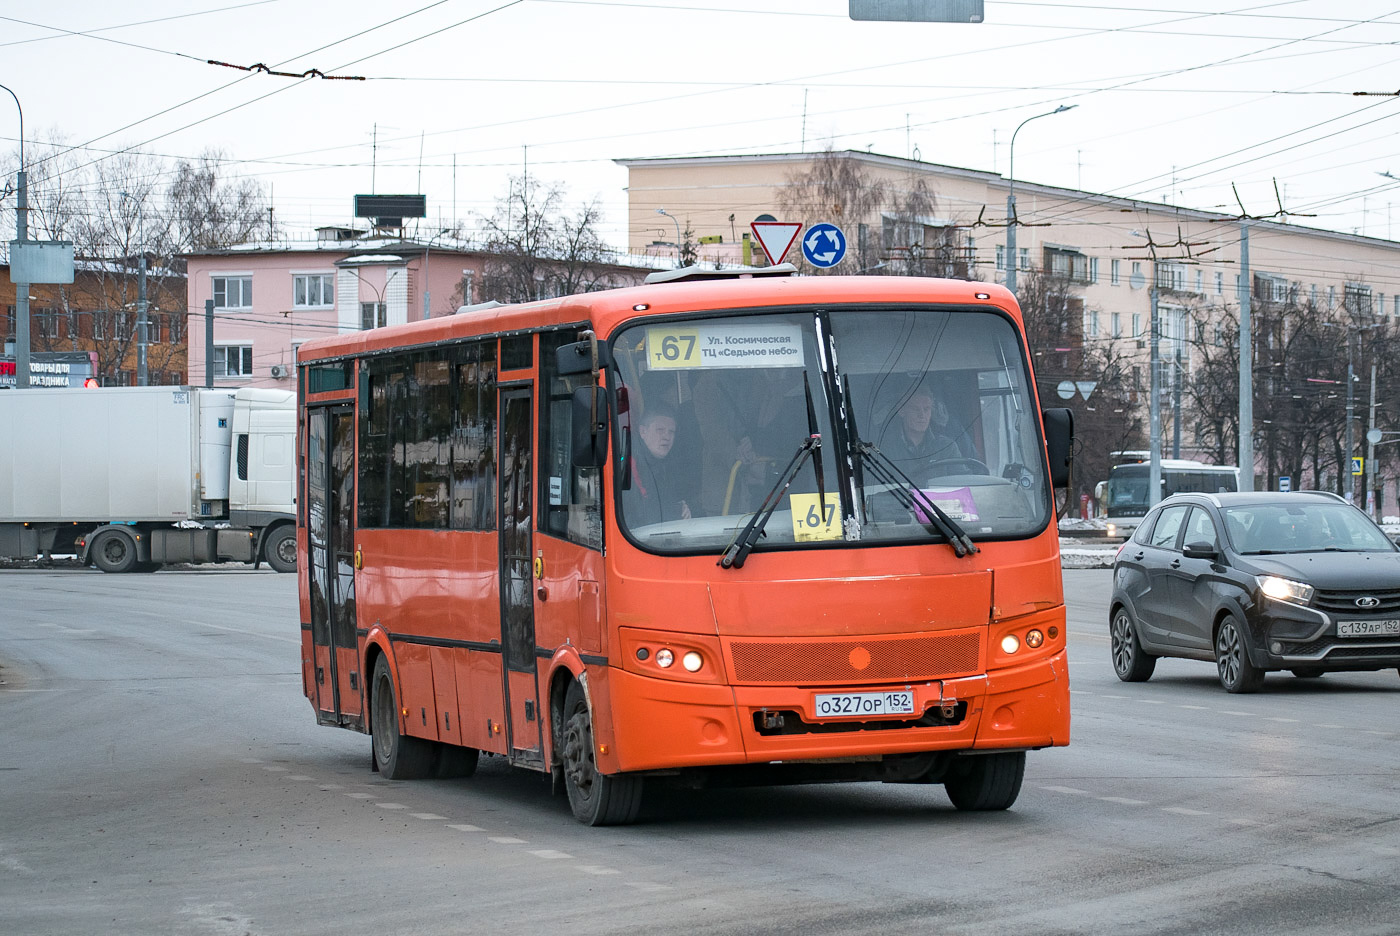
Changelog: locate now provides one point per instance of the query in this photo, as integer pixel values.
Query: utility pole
(1246, 366)
(1176, 407)
(140, 290)
(21, 235)
(1373, 506)
(1154, 404)
(1011, 261)
(1351, 415)
(209, 342)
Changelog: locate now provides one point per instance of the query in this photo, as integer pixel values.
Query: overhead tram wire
(93, 33)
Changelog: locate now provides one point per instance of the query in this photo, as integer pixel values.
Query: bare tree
(208, 210)
(538, 249)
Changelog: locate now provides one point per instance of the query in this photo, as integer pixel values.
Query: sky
(1182, 101)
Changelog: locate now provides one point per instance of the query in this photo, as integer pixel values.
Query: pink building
(269, 298)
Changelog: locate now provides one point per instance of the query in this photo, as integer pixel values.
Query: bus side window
(474, 437)
(570, 498)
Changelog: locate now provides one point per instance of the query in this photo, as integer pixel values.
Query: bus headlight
(1010, 643)
(664, 658)
(692, 662)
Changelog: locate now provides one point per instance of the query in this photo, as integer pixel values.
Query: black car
(1256, 582)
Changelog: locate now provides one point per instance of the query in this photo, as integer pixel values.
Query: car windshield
(1260, 529)
(932, 410)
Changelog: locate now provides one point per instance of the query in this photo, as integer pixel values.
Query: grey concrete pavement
(160, 772)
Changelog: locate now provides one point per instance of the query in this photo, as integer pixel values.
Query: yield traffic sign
(775, 237)
(824, 246)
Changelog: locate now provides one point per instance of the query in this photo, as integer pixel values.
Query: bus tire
(114, 551)
(455, 761)
(985, 782)
(596, 799)
(398, 756)
(280, 549)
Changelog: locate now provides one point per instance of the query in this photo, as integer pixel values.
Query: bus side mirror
(581, 357)
(590, 427)
(1059, 443)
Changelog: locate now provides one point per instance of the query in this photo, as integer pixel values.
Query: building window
(1331, 297)
(1067, 264)
(1113, 272)
(468, 286)
(1200, 281)
(233, 361)
(177, 328)
(1358, 299)
(1171, 276)
(1001, 257)
(1091, 326)
(1116, 323)
(373, 315)
(1219, 283)
(152, 328)
(233, 292)
(1025, 257)
(1137, 324)
(1135, 279)
(1219, 335)
(313, 290)
(46, 323)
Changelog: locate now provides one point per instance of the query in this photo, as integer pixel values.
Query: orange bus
(706, 531)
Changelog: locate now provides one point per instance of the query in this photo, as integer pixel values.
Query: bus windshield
(1127, 485)
(919, 412)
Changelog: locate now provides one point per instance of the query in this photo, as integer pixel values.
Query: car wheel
(985, 782)
(398, 756)
(1307, 672)
(1237, 673)
(1130, 661)
(596, 799)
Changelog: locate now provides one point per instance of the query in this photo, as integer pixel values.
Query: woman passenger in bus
(658, 490)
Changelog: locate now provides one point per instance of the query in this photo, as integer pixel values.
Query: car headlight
(1282, 589)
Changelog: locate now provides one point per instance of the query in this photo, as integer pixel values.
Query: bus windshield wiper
(738, 550)
(909, 495)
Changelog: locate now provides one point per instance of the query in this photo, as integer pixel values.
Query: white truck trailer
(132, 478)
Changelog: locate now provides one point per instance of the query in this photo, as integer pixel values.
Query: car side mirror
(1201, 550)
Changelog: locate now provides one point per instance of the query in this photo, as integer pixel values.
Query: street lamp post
(1011, 197)
(140, 291)
(21, 235)
(1351, 329)
(663, 211)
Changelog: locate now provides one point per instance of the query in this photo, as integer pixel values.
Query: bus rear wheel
(596, 799)
(985, 782)
(398, 756)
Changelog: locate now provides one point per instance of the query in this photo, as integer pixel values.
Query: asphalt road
(160, 772)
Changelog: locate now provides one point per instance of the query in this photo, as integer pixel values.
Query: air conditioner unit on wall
(281, 370)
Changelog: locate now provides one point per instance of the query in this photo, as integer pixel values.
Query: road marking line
(273, 768)
(1152, 701)
(1124, 800)
(426, 815)
(1080, 692)
(505, 840)
(1066, 789)
(1289, 720)
(331, 786)
(299, 776)
(1199, 708)
(597, 869)
(250, 760)
(646, 886)
(1329, 726)
(1183, 811)
(360, 795)
(1383, 734)
(1238, 714)
(1106, 696)
(248, 633)
(463, 827)
(549, 854)
(1243, 822)
(391, 805)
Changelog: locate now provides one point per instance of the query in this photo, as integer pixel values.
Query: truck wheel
(986, 781)
(114, 552)
(596, 799)
(280, 549)
(398, 756)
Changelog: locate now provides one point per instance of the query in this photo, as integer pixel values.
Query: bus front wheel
(398, 756)
(596, 799)
(985, 782)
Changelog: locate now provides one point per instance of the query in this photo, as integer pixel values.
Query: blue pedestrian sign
(824, 245)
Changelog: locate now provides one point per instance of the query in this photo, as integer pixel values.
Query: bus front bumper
(662, 724)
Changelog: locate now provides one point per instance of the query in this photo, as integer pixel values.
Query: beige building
(944, 221)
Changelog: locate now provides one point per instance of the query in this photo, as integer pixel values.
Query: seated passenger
(658, 490)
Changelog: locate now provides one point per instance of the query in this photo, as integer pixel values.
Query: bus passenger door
(523, 720)
(330, 526)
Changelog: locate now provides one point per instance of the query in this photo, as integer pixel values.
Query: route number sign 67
(673, 347)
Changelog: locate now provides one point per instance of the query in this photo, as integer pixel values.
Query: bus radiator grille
(845, 662)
